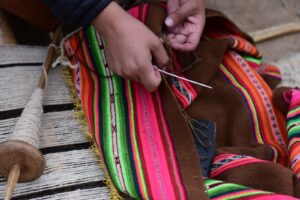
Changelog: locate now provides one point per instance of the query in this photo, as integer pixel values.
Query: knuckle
(141, 71)
(156, 43)
(165, 60)
(141, 67)
(131, 72)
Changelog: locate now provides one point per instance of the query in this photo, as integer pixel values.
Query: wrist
(107, 20)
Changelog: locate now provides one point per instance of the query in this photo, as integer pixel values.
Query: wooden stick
(12, 181)
(15, 171)
(275, 31)
(49, 57)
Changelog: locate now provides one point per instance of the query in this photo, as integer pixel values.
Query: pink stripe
(234, 164)
(182, 98)
(222, 157)
(131, 111)
(162, 159)
(274, 197)
(134, 12)
(191, 89)
(294, 114)
(294, 103)
(172, 154)
(155, 159)
(187, 86)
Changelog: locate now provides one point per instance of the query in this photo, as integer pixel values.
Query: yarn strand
(185, 79)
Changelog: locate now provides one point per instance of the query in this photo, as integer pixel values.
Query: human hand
(130, 46)
(185, 22)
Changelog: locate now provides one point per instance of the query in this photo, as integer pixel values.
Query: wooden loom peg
(20, 158)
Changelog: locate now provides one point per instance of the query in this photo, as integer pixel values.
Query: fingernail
(169, 22)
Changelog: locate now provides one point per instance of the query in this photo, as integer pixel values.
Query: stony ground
(252, 15)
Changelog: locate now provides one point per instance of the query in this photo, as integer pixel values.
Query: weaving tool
(20, 158)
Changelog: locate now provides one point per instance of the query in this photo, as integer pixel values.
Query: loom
(20, 158)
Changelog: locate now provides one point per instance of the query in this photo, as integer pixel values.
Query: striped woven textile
(240, 70)
(218, 190)
(183, 90)
(268, 122)
(293, 128)
(224, 162)
(128, 125)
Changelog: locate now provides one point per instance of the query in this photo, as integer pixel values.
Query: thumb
(160, 55)
(179, 15)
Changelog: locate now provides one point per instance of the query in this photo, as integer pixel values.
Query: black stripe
(64, 148)
(21, 64)
(47, 109)
(44, 193)
(58, 107)
(10, 114)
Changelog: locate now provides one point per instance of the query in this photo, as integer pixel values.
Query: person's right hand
(130, 46)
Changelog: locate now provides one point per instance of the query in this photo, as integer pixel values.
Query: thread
(28, 126)
(182, 78)
(62, 59)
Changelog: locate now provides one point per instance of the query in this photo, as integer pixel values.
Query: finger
(171, 36)
(130, 75)
(185, 10)
(187, 46)
(159, 54)
(172, 5)
(194, 37)
(178, 39)
(179, 29)
(149, 77)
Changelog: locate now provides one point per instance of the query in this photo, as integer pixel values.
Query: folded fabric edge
(79, 114)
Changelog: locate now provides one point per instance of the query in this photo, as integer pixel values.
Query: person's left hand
(185, 22)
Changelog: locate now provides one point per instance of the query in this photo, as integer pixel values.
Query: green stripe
(225, 188)
(122, 139)
(209, 182)
(128, 138)
(294, 131)
(291, 122)
(104, 105)
(294, 110)
(250, 58)
(253, 193)
(229, 189)
(94, 50)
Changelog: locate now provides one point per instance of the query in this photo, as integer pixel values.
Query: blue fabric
(204, 133)
(76, 12)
